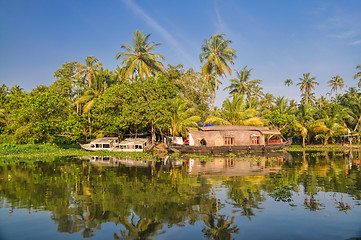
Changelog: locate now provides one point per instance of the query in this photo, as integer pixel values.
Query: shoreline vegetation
(143, 96)
(45, 152)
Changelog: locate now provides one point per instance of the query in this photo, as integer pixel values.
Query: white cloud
(357, 42)
(345, 34)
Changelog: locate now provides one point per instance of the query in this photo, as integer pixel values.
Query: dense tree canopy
(141, 96)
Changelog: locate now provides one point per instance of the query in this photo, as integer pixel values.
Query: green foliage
(283, 121)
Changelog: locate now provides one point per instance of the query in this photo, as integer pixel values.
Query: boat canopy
(233, 128)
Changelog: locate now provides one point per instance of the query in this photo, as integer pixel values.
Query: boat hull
(227, 149)
(88, 148)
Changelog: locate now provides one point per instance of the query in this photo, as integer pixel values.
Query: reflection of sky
(274, 219)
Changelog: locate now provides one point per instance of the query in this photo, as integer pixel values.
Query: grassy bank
(329, 147)
(12, 152)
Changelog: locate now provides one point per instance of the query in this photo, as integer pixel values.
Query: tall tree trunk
(215, 89)
(153, 132)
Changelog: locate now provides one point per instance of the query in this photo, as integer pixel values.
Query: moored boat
(112, 144)
(229, 138)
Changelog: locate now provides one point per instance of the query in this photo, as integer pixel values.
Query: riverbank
(13, 152)
(324, 147)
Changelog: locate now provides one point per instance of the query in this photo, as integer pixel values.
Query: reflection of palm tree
(143, 229)
(312, 203)
(219, 227)
(341, 205)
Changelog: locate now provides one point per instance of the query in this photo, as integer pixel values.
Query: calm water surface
(309, 195)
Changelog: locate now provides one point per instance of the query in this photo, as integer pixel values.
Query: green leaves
(139, 59)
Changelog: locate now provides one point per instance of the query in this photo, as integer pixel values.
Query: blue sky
(278, 39)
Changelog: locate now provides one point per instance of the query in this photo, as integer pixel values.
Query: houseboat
(230, 138)
(113, 144)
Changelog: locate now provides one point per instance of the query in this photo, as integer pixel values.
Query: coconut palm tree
(304, 119)
(358, 75)
(236, 112)
(268, 100)
(182, 118)
(139, 58)
(336, 83)
(242, 84)
(217, 55)
(288, 83)
(307, 84)
(285, 106)
(327, 128)
(89, 70)
(257, 93)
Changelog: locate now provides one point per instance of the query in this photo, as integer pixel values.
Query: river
(281, 195)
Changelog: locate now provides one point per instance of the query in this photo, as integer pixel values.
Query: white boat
(113, 144)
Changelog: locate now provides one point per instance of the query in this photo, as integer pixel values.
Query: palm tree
(285, 106)
(327, 128)
(89, 70)
(358, 75)
(304, 119)
(268, 100)
(336, 83)
(217, 55)
(288, 83)
(236, 112)
(307, 83)
(139, 58)
(242, 84)
(257, 93)
(182, 118)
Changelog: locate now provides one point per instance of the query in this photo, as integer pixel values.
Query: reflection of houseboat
(112, 161)
(113, 144)
(233, 167)
(229, 138)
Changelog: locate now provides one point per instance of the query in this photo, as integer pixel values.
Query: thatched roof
(272, 132)
(263, 130)
(233, 128)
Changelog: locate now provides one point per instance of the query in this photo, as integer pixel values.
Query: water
(309, 195)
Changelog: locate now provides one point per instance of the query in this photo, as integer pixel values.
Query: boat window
(106, 145)
(92, 146)
(228, 140)
(98, 145)
(138, 146)
(255, 139)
